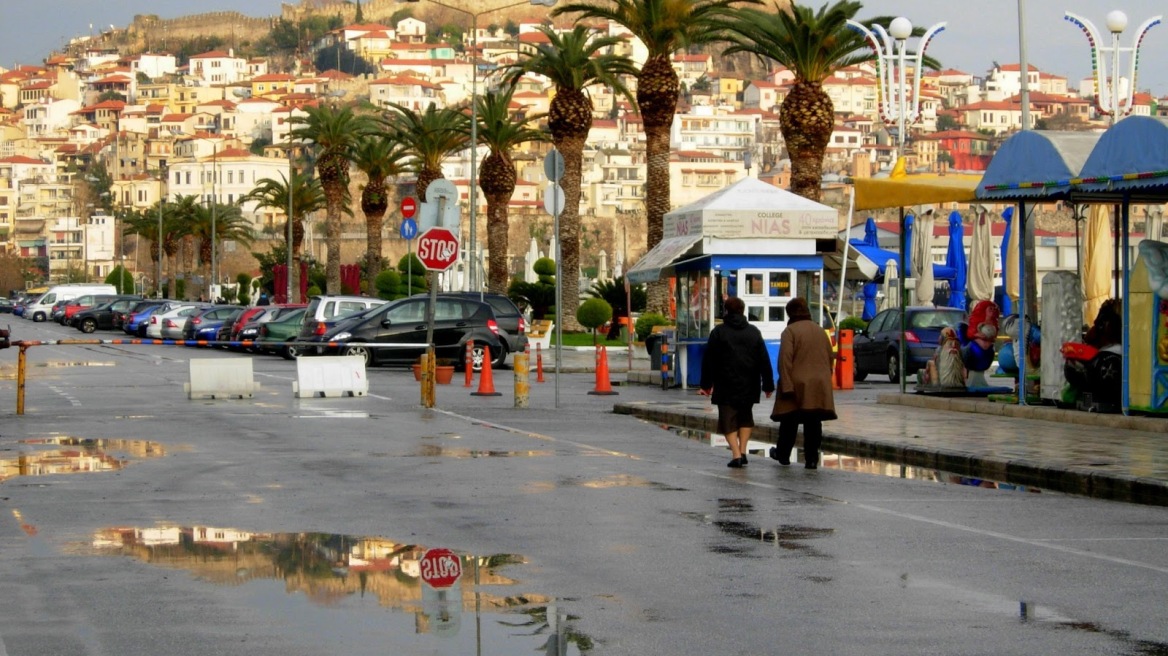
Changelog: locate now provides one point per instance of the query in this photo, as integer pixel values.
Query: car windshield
(936, 319)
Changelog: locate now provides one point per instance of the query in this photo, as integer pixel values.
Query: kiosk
(751, 240)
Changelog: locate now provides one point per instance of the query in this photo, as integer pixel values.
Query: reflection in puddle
(76, 456)
(729, 520)
(859, 465)
(364, 576)
(624, 480)
(429, 451)
(66, 365)
(335, 414)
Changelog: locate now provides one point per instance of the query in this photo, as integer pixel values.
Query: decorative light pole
(159, 237)
(1110, 99)
(472, 252)
(896, 106)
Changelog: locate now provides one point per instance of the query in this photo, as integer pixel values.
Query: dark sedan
(105, 315)
(877, 347)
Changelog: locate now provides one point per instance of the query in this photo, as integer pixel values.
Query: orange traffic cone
(603, 387)
(539, 363)
(486, 379)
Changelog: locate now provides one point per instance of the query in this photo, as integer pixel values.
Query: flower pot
(417, 372)
(443, 374)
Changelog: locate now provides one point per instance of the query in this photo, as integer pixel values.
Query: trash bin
(653, 345)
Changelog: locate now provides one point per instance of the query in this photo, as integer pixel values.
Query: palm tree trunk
(497, 242)
(806, 121)
(572, 148)
(658, 89)
(332, 238)
(373, 223)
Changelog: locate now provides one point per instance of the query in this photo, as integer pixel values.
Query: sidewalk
(1103, 456)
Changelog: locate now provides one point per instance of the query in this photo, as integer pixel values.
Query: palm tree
(500, 132)
(429, 137)
(177, 219)
(813, 45)
(307, 197)
(573, 61)
(211, 225)
(335, 132)
(378, 157)
(664, 27)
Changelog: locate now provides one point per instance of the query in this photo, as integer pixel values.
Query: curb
(1038, 412)
(1081, 482)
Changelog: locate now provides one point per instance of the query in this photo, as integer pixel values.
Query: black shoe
(775, 456)
(812, 465)
(743, 460)
(735, 463)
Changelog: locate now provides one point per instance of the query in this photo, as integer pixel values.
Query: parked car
(7, 305)
(122, 316)
(39, 309)
(250, 332)
(57, 310)
(403, 322)
(877, 347)
(137, 323)
(169, 324)
(324, 311)
(204, 323)
(83, 303)
(103, 316)
(512, 325)
(275, 333)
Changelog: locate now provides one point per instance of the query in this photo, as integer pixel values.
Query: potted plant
(443, 371)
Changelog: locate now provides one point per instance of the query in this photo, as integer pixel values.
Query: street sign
(440, 568)
(409, 207)
(553, 199)
(438, 249)
(441, 188)
(553, 165)
(409, 228)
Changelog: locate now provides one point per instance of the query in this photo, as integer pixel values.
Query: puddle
(428, 451)
(75, 456)
(732, 520)
(335, 414)
(363, 591)
(66, 365)
(859, 465)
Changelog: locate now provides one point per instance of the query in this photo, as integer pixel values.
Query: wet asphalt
(138, 521)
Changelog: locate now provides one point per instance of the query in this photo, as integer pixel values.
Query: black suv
(403, 322)
(512, 326)
(104, 315)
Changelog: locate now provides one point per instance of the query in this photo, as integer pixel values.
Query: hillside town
(212, 125)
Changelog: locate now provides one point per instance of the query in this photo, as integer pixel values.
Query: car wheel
(38, 317)
(291, 352)
(894, 367)
(477, 354)
(364, 352)
(859, 376)
(88, 326)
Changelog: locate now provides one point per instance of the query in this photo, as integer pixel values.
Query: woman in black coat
(735, 370)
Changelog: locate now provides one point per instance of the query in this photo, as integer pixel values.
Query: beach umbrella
(1009, 263)
(1097, 262)
(891, 292)
(979, 284)
(955, 259)
(869, 294)
(871, 237)
(922, 258)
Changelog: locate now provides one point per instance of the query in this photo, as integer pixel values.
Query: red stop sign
(441, 568)
(438, 249)
(409, 207)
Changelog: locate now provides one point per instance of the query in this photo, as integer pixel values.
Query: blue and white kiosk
(751, 240)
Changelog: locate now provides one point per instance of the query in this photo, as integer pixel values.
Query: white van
(39, 309)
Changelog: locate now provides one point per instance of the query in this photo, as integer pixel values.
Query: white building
(225, 177)
(49, 117)
(725, 134)
(218, 68)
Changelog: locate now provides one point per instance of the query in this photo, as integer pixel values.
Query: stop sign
(441, 568)
(409, 207)
(438, 249)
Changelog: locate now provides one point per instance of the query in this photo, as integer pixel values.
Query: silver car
(170, 324)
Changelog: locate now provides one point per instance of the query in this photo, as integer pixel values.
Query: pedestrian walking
(736, 369)
(264, 300)
(806, 365)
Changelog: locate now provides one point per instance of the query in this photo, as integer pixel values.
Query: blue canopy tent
(869, 247)
(955, 259)
(1128, 164)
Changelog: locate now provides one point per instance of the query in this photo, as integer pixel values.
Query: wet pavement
(138, 522)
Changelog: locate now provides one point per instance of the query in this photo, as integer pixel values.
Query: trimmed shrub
(853, 323)
(388, 284)
(646, 322)
(594, 313)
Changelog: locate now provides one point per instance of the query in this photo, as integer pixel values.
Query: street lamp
(158, 236)
(1111, 101)
(892, 83)
(474, 117)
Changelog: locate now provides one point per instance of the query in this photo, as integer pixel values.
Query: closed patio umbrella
(922, 258)
(1097, 262)
(955, 259)
(891, 291)
(1010, 263)
(979, 284)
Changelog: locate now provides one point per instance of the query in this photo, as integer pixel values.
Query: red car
(83, 303)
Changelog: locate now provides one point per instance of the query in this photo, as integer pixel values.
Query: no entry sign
(441, 568)
(409, 207)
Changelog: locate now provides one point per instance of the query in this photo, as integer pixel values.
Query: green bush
(313, 290)
(594, 313)
(544, 266)
(244, 299)
(853, 323)
(388, 284)
(121, 279)
(646, 322)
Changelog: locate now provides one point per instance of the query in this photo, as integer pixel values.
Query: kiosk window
(754, 282)
(776, 313)
(756, 313)
(780, 284)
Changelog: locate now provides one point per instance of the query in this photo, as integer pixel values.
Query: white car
(170, 324)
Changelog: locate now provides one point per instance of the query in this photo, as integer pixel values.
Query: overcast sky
(979, 31)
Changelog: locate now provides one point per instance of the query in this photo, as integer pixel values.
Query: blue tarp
(1132, 154)
(955, 259)
(1036, 164)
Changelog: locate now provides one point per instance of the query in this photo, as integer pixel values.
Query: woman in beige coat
(806, 366)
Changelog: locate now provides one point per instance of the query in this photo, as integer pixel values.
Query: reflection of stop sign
(438, 249)
(441, 568)
(409, 207)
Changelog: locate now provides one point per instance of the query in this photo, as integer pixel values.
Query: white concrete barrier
(342, 375)
(221, 378)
